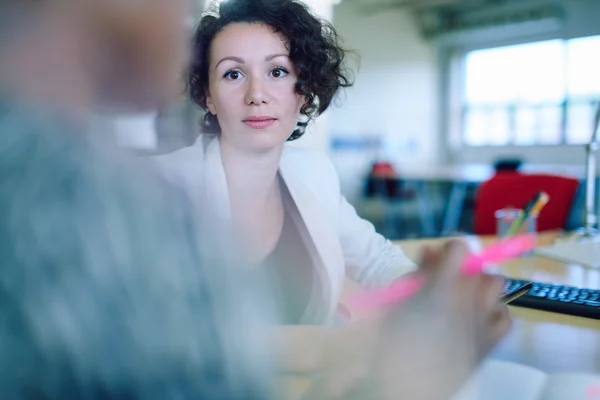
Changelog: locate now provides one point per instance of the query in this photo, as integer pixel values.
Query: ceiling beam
(373, 7)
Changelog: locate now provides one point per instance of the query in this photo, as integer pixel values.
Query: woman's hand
(428, 346)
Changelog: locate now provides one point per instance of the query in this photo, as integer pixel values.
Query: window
(542, 93)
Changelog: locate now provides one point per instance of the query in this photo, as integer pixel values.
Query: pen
(542, 201)
(534, 206)
(473, 264)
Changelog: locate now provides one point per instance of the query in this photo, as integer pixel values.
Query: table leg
(424, 204)
(454, 208)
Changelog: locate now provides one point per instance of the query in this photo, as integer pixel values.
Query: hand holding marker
(473, 264)
(508, 247)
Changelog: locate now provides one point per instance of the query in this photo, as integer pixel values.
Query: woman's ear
(210, 104)
(302, 101)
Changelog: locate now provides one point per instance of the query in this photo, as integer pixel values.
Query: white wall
(395, 93)
(316, 135)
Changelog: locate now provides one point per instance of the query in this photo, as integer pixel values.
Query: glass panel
(550, 125)
(476, 124)
(534, 79)
(530, 73)
(579, 123)
(499, 128)
(583, 66)
(526, 126)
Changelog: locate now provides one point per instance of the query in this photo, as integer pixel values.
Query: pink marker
(399, 291)
(504, 249)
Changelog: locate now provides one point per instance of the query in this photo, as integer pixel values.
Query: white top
(342, 243)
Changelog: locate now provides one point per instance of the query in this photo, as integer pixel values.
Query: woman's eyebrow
(241, 60)
(273, 56)
(231, 58)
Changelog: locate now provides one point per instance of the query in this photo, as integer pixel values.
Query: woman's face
(252, 87)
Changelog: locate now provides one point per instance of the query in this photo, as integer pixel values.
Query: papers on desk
(501, 380)
(583, 252)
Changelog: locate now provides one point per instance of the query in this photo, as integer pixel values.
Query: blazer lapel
(215, 182)
(216, 204)
(321, 237)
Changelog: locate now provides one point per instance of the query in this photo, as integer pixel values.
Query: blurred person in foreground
(104, 284)
(103, 290)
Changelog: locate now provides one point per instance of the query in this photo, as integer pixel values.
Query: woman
(262, 70)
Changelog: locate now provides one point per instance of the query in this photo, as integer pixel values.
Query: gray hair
(106, 288)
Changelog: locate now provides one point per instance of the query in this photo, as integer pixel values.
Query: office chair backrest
(513, 189)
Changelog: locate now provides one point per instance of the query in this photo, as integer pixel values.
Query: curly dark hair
(313, 43)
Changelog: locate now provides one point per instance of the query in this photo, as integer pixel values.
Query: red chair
(514, 189)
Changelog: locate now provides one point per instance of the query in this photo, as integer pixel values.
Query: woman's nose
(256, 93)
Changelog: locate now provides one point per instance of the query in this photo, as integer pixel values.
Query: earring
(207, 119)
(299, 131)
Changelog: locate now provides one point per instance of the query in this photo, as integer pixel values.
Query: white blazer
(341, 243)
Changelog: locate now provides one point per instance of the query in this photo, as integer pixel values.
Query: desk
(547, 341)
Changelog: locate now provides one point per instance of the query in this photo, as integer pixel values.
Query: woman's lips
(259, 122)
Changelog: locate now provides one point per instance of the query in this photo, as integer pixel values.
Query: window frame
(455, 76)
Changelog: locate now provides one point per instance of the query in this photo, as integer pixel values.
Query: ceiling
(441, 16)
(376, 6)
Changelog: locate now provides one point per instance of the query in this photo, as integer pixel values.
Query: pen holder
(506, 217)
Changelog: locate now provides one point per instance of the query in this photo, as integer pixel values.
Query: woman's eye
(279, 72)
(232, 75)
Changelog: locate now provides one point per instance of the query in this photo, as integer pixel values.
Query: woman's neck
(255, 198)
(251, 174)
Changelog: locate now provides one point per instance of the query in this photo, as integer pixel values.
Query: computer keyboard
(557, 298)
